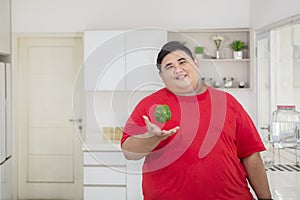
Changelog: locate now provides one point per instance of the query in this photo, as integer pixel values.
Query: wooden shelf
(225, 60)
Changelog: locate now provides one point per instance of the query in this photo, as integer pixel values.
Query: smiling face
(180, 73)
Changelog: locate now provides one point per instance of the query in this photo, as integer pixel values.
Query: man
(207, 150)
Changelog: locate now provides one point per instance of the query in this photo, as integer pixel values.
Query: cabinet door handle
(75, 120)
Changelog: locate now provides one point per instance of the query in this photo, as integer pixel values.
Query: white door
(50, 156)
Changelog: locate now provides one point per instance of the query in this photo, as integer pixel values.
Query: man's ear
(196, 62)
(160, 74)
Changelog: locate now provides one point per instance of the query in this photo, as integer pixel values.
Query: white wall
(79, 15)
(266, 12)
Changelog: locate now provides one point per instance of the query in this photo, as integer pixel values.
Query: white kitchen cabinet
(142, 47)
(111, 193)
(122, 60)
(115, 158)
(108, 175)
(105, 175)
(134, 179)
(6, 178)
(226, 66)
(104, 60)
(5, 27)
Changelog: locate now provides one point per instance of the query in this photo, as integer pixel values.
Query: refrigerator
(6, 192)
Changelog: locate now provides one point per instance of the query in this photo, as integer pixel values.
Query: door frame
(259, 36)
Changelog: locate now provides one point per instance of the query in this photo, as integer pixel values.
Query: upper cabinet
(142, 47)
(5, 27)
(219, 68)
(122, 60)
(126, 60)
(104, 60)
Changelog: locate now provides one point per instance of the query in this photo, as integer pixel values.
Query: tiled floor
(284, 185)
(284, 175)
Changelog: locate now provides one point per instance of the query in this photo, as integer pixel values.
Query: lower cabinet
(104, 175)
(104, 192)
(134, 179)
(6, 184)
(108, 175)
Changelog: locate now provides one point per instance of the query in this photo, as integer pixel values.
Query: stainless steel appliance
(5, 129)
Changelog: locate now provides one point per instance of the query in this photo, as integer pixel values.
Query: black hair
(169, 48)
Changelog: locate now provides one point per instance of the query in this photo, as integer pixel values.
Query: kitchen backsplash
(109, 109)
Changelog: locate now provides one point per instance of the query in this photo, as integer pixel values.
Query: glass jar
(285, 126)
(228, 82)
(217, 84)
(207, 80)
(241, 84)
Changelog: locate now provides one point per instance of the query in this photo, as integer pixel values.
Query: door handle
(266, 128)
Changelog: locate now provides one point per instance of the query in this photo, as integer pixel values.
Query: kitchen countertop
(94, 141)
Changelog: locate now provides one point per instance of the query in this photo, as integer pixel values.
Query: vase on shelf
(218, 54)
(218, 41)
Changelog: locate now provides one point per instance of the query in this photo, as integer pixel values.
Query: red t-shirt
(202, 160)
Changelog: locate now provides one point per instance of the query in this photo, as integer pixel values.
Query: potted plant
(237, 46)
(199, 52)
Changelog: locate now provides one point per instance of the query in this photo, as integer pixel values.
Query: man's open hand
(154, 130)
